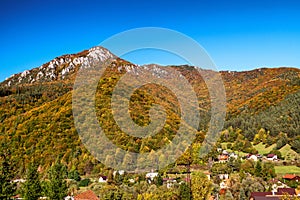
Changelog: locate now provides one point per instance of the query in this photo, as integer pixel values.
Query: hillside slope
(36, 108)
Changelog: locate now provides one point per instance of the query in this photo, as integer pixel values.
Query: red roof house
(291, 177)
(87, 195)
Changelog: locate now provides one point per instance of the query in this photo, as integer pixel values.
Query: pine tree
(258, 169)
(7, 188)
(74, 174)
(57, 187)
(158, 180)
(31, 189)
(185, 191)
(118, 178)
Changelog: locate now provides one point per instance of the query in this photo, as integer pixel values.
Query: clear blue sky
(238, 35)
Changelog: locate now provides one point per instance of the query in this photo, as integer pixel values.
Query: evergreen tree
(118, 178)
(74, 174)
(158, 180)
(185, 191)
(57, 187)
(258, 169)
(7, 188)
(31, 189)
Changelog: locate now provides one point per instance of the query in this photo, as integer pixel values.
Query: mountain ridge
(59, 67)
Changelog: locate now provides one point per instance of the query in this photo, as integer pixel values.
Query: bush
(84, 182)
(74, 174)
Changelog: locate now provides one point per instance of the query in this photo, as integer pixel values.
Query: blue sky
(238, 35)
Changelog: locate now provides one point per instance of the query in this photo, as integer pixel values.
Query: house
(224, 152)
(69, 198)
(16, 197)
(252, 157)
(262, 196)
(272, 157)
(291, 177)
(272, 195)
(259, 156)
(121, 172)
(223, 185)
(282, 191)
(87, 195)
(233, 155)
(19, 180)
(131, 180)
(102, 179)
(151, 175)
(223, 176)
(223, 158)
(169, 182)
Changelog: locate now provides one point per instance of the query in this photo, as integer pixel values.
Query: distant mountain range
(36, 107)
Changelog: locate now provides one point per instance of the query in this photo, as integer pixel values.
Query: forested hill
(36, 109)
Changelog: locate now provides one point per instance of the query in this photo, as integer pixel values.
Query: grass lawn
(288, 153)
(282, 170)
(224, 144)
(260, 147)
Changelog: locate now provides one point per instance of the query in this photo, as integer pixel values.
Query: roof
(290, 176)
(103, 177)
(266, 198)
(290, 191)
(270, 155)
(87, 195)
(260, 194)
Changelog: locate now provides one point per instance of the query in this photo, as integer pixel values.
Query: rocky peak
(60, 67)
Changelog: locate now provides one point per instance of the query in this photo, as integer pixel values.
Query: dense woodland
(37, 121)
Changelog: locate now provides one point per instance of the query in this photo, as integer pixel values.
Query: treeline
(282, 118)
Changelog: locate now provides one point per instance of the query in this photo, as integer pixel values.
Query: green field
(282, 170)
(288, 153)
(260, 147)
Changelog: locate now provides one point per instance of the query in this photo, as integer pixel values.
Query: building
(102, 179)
(252, 157)
(291, 177)
(274, 195)
(272, 157)
(169, 182)
(87, 195)
(150, 176)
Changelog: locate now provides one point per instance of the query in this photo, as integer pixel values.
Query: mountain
(36, 108)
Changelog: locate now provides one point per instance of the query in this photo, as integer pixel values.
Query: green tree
(258, 169)
(185, 191)
(253, 184)
(201, 186)
(242, 195)
(228, 195)
(57, 187)
(158, 180)
(74, 174)
(31, 189)
(7, 188)
(268, 171)
(118, 178)
(110, 177)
